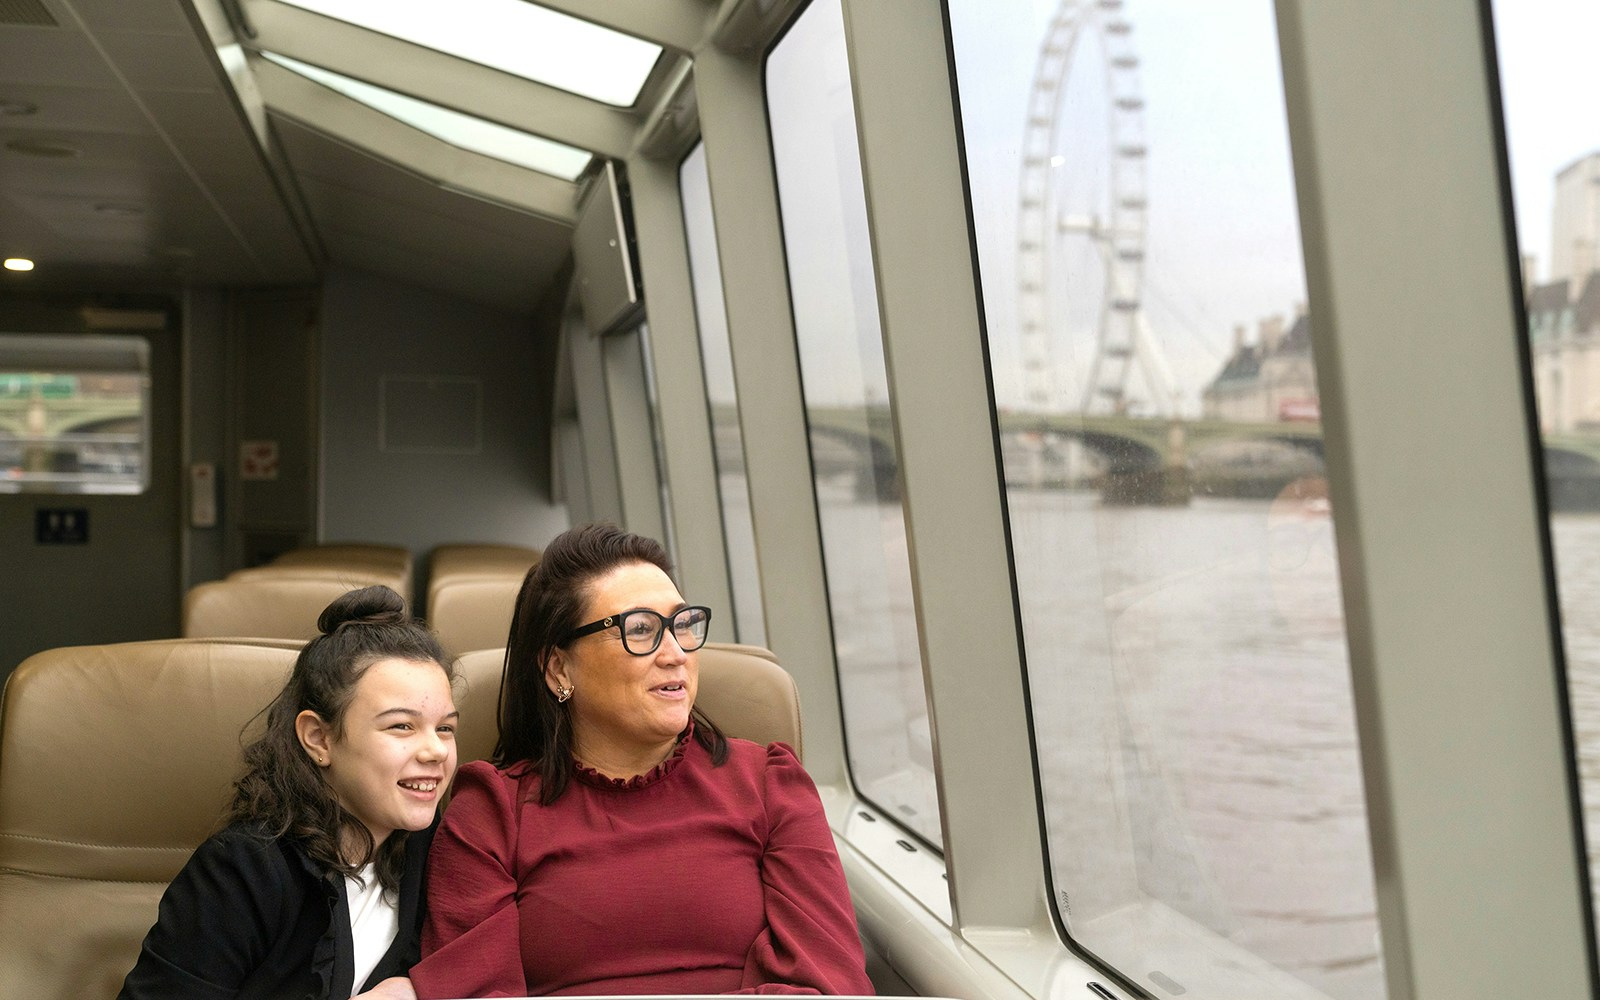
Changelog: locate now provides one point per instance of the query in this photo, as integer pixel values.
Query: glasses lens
(641, 632)
(689, 627)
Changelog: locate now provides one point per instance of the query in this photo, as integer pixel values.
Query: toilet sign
(258, 460)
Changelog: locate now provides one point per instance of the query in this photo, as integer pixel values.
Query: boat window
(853, 458)
(521, 38)
(716, 358)
(658, 441)
(1173, 542)
(466, 131)
(74, 414)
(1553, 145)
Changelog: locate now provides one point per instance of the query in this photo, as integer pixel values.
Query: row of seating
(472, 589)
(116, 761)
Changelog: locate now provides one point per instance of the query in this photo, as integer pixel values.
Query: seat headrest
(742, 689)
(477, 694)
(388, 561)
(748, 695)
(352, 577)
(115, 763)
(473, 558)
(473, 613)
(271, 607)
(117, 760)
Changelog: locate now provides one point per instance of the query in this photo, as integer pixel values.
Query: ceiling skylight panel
(458, 129)
(521, 38)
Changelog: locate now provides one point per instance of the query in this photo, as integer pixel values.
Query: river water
(1195, 730)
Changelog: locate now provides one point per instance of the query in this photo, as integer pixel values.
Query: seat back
(115, 763)
(749, 696)
(387, 561)
(479, 559)
(351, 576)
(477, 693)
(742, 689)
(270, 607)
(473, 613)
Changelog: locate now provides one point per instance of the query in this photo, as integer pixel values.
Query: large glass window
(521, 38)
(1172, 535)
(467, 131)
(74, 414)
(1553, 139)
(658, 442)
(853, 460)
(716, 357)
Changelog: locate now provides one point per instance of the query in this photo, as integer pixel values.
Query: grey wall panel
(498, 491)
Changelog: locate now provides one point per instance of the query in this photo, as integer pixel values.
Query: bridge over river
(1138, 459)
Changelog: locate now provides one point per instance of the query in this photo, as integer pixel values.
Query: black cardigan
(251, 918)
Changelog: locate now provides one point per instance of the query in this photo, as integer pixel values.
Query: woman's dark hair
(534, 726)
(282, 790)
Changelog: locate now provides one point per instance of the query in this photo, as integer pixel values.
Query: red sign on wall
(258, 460)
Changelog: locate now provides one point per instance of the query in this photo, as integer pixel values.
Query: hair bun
(377, 605)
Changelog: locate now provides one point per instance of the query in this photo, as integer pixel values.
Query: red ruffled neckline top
(589, 776)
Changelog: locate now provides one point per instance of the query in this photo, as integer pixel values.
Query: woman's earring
(563, 694)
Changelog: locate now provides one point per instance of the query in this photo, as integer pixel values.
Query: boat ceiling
(163, 143)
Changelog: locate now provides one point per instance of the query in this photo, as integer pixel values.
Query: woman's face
(626, 707)
(398, 749)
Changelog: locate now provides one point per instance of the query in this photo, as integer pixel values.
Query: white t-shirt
(374, 922)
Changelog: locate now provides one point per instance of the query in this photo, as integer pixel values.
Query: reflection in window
(716, 357)
(855, 468)
(1553, 140)
(1172, 537)
(74, 414)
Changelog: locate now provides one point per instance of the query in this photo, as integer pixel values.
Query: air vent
(25, 12)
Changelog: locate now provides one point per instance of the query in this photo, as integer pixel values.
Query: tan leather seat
(472, 591)
(479, 559)
(390, 561)
(742, 689)
(748, 695)
(351, 576)
(477, 694)
(278, 608)
(115, 763)
(473, 613)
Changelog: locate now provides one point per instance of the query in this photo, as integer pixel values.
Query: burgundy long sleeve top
(688, 879)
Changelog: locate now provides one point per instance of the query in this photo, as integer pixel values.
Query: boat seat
(276, 608)
(116, 761)
(474, 559)
(473, 613)
(391, 561)
(743, 690)
(352, 577)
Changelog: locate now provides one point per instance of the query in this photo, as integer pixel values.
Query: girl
(314, 888)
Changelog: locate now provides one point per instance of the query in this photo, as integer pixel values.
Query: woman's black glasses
(642, 629)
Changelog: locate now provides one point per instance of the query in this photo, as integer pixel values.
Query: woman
(314, 889)
(618, 843)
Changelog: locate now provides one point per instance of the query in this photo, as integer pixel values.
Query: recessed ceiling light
(17, 109)
(18, 264)
(42, 147)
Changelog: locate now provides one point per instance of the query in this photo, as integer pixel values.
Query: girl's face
(397, 752)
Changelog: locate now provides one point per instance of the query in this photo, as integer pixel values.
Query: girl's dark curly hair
(282, 790)
(534, 726)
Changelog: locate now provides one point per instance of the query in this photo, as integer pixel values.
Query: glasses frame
(619, 622)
